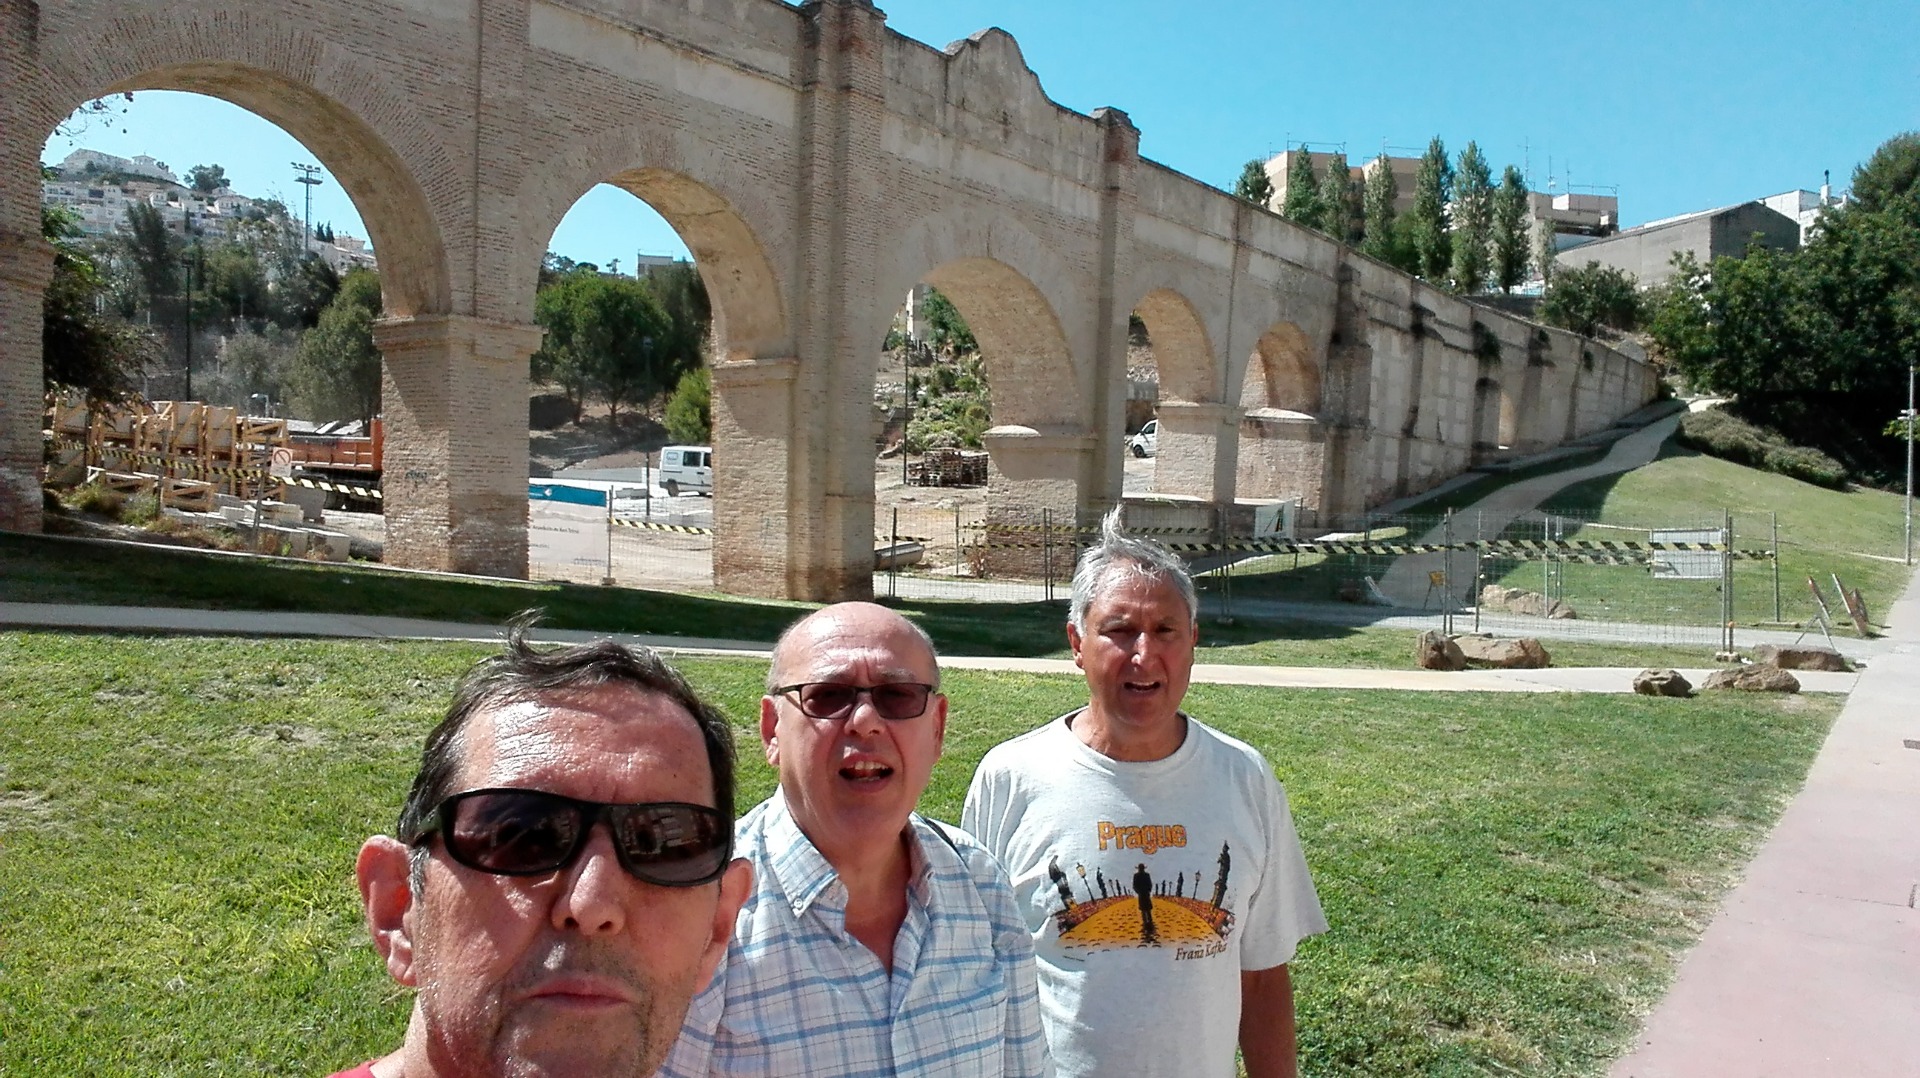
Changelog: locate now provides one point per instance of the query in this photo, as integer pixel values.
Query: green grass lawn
(1508, 877)
(1857, 534)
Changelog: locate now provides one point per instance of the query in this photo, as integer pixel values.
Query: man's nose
(865, 719)
(592, 889)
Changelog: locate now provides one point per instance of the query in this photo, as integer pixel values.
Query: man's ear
(1073, 640)
(940, 720)
(735, 885)
(386, 894)
(769, 720)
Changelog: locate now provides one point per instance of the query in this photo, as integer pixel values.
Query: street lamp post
(1909, 433)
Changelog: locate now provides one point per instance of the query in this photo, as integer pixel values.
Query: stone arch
(368, 135)
(1489, 417)
(989, 268)
(681, 180)
(1281, 373)
(1182, 348)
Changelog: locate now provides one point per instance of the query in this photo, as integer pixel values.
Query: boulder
(1661, 683)
(1529, 603)
(1437, 651)
(1756, 678)
(1503, 654)
(1799, 657)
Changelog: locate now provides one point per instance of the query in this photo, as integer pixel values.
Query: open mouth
(866, 771)
(1142, 687)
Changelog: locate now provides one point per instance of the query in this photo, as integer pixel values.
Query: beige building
(817, 165)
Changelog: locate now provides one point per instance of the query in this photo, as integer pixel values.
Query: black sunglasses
(895, 700)
(532, 832)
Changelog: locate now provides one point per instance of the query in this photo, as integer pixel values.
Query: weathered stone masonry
(817, 164)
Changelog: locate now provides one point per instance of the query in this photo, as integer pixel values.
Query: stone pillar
(828, 505)
(1282, 455)
(26, 264)
(454, 396)
(1346, 404)
(1193, 442)
(1033, 480)
(754, 546)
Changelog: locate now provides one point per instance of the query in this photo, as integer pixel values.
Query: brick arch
(1182, 348)
(378, 148)
(1281, 372)
(988, 267)
(683, 182)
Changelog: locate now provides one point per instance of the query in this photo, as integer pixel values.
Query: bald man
(875, 940)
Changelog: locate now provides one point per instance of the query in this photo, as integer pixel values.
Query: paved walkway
(1811, 969)
(355, 626)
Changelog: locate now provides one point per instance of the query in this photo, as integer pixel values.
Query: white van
(686, 467)
(1147, 442)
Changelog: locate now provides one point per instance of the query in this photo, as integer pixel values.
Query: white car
(688, 468)
(1145, 443)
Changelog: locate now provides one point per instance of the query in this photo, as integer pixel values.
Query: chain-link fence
(1693, 580)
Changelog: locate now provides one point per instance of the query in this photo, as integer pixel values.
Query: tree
(1510, 235)
(1336, 199)
(682, 294)
(206, 179)
(606, 339)
(306, 288)
(1891, 175)
(1546, 253)
(690, 409)
(1382, 239)
(233, 285)
(335, 373)
(1472, 221)
(1592, 296)
(946, 330)
(154, 252)
(1254, 185)
(1427, 220)
(83, 350)
(1302, 202)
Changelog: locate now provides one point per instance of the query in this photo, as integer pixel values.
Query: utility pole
(192, 254)
(1909, 432)
(310, 178)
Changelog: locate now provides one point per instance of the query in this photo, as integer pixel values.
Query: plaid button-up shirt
(797, 994)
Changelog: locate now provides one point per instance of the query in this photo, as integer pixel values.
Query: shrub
(1592, 296)
(140, 510)
(95, 498)
(1720, 434)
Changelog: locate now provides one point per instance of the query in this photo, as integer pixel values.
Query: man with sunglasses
(563, 879)
(876, 941)
(1167, 979)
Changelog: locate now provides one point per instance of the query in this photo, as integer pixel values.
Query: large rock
(1437, 651)
(1661, 683)
(1755, 678)
(1799, 657)
(1529, 603)
(1503, 654)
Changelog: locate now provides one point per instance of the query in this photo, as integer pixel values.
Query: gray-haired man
(1165, 979)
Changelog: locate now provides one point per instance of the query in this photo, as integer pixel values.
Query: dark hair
(521, 673)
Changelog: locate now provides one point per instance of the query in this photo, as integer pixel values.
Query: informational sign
(280, 463)
(1688, 564)
(566, 525)
(1274, 519)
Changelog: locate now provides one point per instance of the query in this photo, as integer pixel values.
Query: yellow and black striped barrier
(648, 525)
(193, 468)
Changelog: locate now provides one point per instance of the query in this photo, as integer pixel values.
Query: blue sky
(1681, 106)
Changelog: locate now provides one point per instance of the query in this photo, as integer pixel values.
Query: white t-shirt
(1149, 888)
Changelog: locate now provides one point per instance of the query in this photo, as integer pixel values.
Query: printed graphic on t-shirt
(1146, 892)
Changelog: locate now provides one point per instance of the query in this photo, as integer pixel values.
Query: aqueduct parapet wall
(817, 165)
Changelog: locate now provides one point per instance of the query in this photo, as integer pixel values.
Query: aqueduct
(817, 165)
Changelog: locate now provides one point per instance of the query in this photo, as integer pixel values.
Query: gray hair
(1118, 552)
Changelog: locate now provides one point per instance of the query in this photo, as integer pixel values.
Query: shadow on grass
(43, 569)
